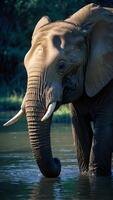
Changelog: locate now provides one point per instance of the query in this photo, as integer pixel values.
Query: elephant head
(55, 67)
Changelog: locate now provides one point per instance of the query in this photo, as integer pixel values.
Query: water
(20, 178)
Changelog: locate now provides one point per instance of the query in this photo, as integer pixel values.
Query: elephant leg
(101, 151)
(102, 146)
(82, 132)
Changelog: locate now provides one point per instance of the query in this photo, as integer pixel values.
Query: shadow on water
(20, 178)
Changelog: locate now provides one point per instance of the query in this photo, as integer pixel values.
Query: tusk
(49, 111)
(15, 118)
(23, 104)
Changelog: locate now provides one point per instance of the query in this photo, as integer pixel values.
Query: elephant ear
(83, 14)
(43, 21)
(99, 69)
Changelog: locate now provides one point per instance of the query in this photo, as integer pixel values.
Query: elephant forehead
(59, 25)
(57, 28)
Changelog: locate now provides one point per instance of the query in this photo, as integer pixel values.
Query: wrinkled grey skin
(71, 61)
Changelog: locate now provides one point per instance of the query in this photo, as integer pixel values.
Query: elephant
(70, 61)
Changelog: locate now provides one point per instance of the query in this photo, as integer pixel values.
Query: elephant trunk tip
(53, 170)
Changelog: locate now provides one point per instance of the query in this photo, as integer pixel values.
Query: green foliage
(62, 115)
(11, 102)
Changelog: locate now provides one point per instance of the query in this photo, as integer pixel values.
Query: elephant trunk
(39, 132)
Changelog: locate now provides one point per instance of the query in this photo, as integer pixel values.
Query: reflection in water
(46, 189)
(83, 188)
(20, 178)
(95, 188)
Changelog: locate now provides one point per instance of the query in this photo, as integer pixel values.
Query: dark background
(17, 21)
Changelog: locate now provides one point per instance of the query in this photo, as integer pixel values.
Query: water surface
(20, 178)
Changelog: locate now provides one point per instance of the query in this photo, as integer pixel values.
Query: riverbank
(13, 103)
